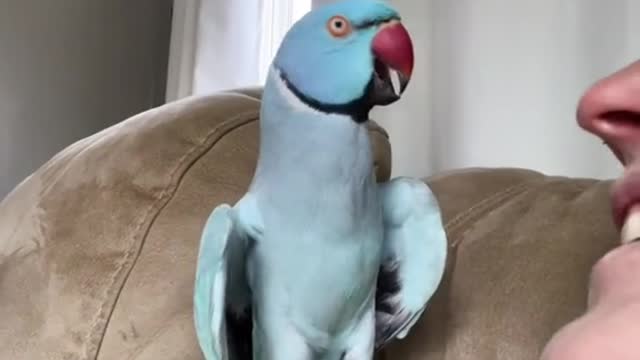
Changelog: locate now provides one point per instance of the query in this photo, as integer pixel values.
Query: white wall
(497, 82)
(505, 79)
(71, 68)
(508, 75)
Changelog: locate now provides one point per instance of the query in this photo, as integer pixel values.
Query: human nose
(610, 109)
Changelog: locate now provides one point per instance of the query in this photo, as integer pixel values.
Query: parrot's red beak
(393, 52)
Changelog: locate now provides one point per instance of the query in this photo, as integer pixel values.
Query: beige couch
(98, 247)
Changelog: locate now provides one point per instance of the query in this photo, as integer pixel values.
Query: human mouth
(625, 199)
(631, 229)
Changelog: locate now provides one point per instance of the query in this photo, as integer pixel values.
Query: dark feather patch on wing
(239, 331)
(388, 285)
(389, 313)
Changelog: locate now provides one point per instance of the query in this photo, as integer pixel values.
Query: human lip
(625, 200)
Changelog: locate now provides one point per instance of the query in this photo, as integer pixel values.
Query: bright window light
(277, 18)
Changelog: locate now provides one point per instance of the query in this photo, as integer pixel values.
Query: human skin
(610, 328)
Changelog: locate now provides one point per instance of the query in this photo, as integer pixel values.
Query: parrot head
(347, 57)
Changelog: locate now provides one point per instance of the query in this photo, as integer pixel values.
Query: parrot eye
(339, 26)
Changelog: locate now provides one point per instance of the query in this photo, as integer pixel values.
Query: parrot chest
(317, 260)
(320, 256)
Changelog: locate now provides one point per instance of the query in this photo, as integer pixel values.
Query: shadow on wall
(72, 68)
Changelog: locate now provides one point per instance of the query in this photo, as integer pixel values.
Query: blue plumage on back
(318, 260)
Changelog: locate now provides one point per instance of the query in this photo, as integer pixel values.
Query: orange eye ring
(339, 26)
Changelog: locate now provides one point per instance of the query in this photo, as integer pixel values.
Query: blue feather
(331, 70)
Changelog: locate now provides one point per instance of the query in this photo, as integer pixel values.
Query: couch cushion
(98, 247)
(521, 250)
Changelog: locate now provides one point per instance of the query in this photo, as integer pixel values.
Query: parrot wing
(222, 296)
(413, 260)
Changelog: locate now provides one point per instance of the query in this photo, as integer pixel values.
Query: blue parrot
(318, 260)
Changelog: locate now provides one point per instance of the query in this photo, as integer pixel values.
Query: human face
(610, 109)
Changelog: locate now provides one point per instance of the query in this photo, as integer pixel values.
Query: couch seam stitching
(132, 254)
(489, 202)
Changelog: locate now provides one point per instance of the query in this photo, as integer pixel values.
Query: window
(210, 53)
(277, 18)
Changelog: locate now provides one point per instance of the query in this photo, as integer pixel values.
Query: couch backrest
(98, 246)
(522, 246)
